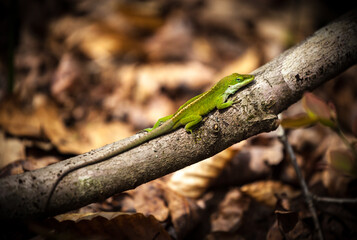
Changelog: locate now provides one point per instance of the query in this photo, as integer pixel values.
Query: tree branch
(278, 84)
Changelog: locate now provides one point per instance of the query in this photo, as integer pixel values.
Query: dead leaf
(202, 49)
(309, 138)
(245, 63)
(296, 229)
(152, 77)
(142, 15)
(11, 150)
(272, 154)
(32, 164)
(185, 213)
(265, 191)
(149, 200)
(287, 220)
(253, 162)
(68, 74)
(172, 41)
(108, 225)
(154, 198)
(18, 120)
(223, 235)
(97, 39)
(12, 168)
(229, 215)
(194, 180)
(45, 119)
(275, 32)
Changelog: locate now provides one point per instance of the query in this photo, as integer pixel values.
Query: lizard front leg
(222, 103)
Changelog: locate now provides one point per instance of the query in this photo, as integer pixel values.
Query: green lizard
(189, 114)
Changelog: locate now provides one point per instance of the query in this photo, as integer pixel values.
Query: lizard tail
(166, 127)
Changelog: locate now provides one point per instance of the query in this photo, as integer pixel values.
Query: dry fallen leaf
(245, 63)
(32, 164)
(45, 119)
(107, 225)
(287, 219)
(98, 39)
(229, 215)
(155, 198)
(149, 200)
(18, 120)
(298, 229)
(152, 77)
(265, 191)
(11, 149)
(185, 213)
(194, 180)
(271, 154)
(172, 41)
(312, 137)
(253, 162)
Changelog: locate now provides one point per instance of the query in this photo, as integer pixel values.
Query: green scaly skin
(189, 114)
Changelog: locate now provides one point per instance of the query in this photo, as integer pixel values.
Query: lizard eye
(239, 79)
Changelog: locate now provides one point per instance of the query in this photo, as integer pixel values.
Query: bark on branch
(278, 84)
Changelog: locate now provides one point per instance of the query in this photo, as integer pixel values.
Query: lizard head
(233, 82)
(242, 79)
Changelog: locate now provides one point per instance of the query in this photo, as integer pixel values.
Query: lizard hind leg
(190, 122)
(159, 122)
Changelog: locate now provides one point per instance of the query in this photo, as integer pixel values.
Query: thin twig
(334, 200)
(307, 194)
